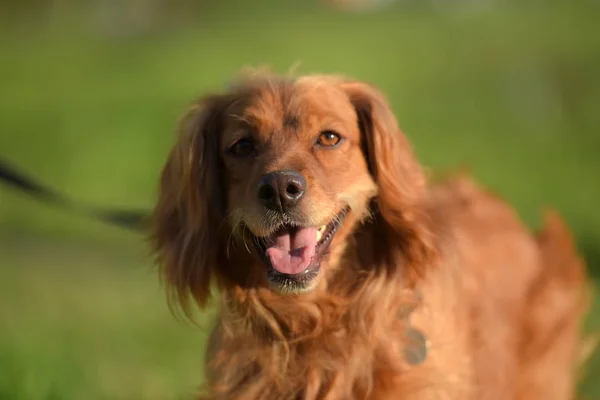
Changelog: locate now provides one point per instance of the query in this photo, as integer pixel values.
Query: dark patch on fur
(291, 121)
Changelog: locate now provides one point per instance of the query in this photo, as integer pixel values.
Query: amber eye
(242, 148)
(329, 139)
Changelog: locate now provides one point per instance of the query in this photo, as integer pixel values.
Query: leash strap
(128, 219)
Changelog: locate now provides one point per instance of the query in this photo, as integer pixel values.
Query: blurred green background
(90, 93)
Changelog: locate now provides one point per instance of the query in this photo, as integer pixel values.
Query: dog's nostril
(293, 189)
(267, 193)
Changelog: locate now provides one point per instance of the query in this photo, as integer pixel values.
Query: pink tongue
(292, 253)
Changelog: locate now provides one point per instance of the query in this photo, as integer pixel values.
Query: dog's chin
(293, 284)
(291, 270)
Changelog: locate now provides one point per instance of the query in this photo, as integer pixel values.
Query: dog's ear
(191, 205)
(399, 177)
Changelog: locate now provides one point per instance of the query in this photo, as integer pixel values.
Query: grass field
(512, 93)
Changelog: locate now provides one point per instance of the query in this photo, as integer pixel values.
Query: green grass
(78, 323)
(512, 94)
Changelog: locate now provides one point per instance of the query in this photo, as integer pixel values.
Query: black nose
(281, 190)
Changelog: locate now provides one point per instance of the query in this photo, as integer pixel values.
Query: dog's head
(268, 181)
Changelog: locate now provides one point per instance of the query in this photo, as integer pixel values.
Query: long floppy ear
(190, 206)
(400, 209)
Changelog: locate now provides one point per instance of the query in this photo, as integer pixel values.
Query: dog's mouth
(293, 253)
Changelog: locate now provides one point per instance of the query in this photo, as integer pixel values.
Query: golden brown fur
(500, 307)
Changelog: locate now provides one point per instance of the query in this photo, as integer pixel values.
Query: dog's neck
(303, 340)
(307, 344)
(287, 317)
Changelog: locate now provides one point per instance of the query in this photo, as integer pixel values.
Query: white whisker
(244, 241)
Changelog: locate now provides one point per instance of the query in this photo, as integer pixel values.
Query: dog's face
(296, 178)
(268, 181)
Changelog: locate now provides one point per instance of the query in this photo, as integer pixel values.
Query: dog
(342, 271)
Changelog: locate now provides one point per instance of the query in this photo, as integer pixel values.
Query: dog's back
(526, 294)
(555, 307)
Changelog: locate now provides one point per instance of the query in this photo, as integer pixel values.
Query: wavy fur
(477, 268)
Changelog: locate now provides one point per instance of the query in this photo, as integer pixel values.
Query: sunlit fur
(500, 307)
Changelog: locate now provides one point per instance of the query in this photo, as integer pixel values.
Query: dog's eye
(329, 139)
(242, 147)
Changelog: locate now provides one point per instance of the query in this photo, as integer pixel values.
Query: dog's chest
(361, 367)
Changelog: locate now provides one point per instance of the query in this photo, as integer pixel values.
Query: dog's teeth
(319, 234)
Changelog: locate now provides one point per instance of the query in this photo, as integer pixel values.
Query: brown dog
(342, 273)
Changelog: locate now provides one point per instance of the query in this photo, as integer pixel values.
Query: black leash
(128, 219)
